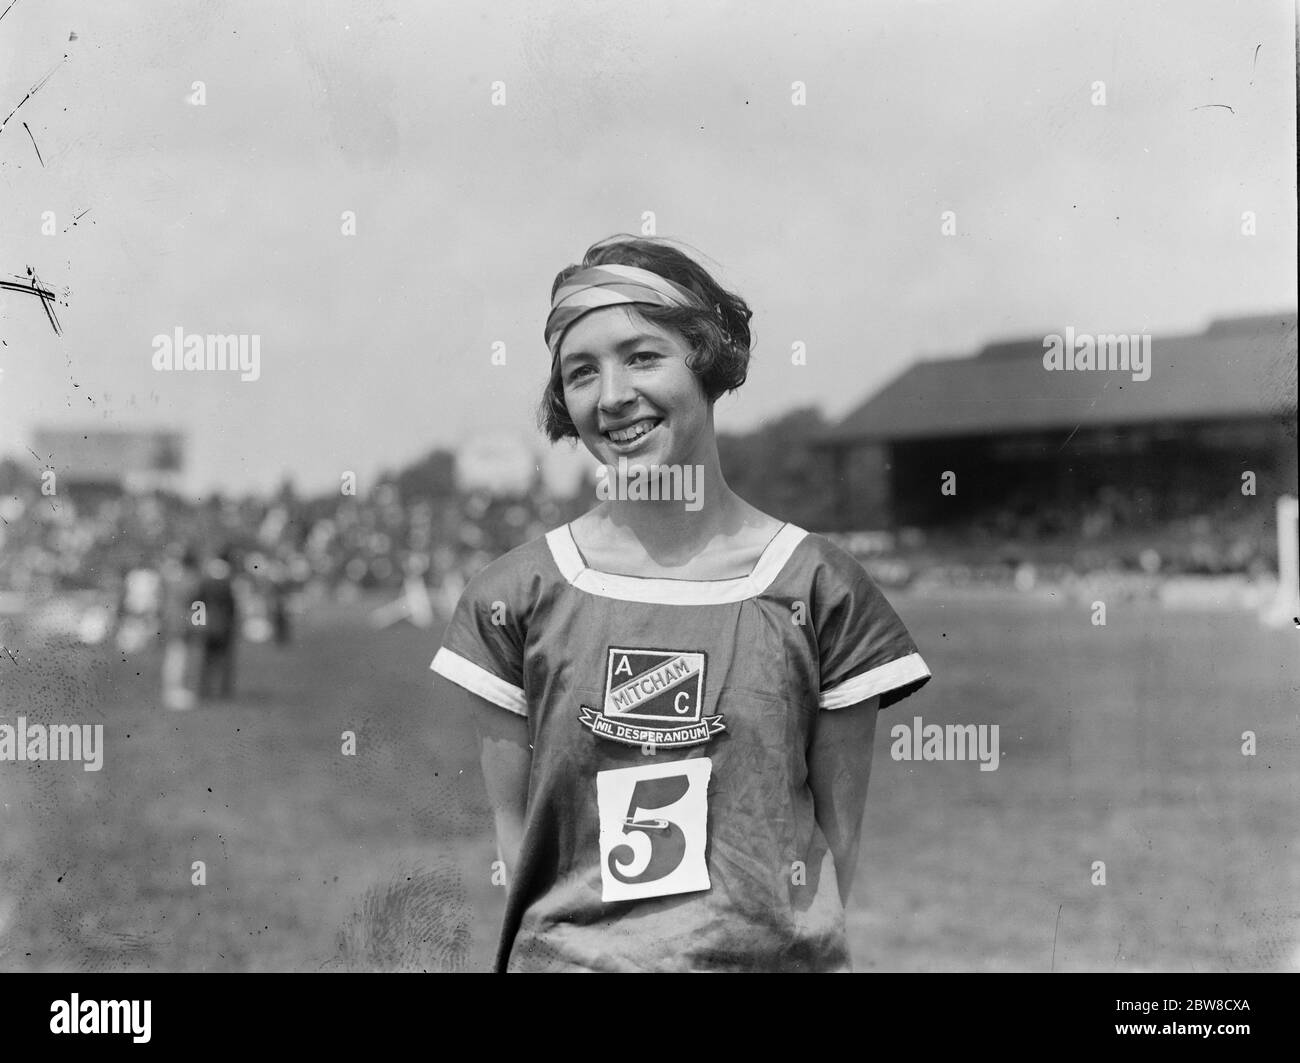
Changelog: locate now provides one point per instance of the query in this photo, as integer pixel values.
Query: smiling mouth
(633, 432)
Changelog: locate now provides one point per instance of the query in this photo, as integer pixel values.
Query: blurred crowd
(1022, 540)
(128, 550)
(418, 550)
(1117, 531)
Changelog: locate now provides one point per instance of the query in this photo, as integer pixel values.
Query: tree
(776, 468)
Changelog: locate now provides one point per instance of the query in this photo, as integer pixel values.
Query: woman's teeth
(632, 432)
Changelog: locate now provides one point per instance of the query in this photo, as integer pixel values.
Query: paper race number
(653, 826)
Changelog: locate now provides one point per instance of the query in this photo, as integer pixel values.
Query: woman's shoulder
(816, 557)
(515, 568)
(828, 550)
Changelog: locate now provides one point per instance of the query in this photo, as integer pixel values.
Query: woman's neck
(670, 533)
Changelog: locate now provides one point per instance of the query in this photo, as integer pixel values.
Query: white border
(880, 680)
(654, 591)
(464, 672)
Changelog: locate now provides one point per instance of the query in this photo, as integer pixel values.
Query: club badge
(653, 697)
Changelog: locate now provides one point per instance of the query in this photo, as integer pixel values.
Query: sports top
(669, 822)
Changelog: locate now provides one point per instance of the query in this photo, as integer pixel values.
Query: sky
(808, 151)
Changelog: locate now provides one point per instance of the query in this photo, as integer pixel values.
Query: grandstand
(1089, 453)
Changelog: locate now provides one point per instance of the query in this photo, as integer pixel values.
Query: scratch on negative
(46, 296)
(35, 145)
(1054, 936)
(31, 92)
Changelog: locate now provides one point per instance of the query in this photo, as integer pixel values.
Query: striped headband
(611, 285)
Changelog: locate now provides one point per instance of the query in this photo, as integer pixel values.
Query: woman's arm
(507, 760)
(839, 766)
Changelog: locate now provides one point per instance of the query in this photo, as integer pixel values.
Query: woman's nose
(615, 389)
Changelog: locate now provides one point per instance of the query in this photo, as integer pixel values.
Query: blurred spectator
(220, 629)
(138, 608)
(278, 595)
(180, 591)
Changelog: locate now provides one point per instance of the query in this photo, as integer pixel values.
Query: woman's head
(595, 382)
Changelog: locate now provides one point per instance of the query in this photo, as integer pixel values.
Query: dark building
(97, 462)
(1024, 441)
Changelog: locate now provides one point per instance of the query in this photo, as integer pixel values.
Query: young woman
(676, 693)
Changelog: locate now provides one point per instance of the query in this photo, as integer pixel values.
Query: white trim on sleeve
(880, 680)
(464, 672)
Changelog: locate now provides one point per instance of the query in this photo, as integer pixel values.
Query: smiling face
(630, 393)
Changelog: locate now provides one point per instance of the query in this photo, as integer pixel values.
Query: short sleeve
(863, 648)
(482, 648)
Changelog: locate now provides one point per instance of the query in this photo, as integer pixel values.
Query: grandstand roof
(1238, 367)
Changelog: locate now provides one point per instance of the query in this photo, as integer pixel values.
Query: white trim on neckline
(654, 590)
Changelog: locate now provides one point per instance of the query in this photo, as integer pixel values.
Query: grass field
(1119, 744)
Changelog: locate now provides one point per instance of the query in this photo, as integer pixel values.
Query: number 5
(653, 828)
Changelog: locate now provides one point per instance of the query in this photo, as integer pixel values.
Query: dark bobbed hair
(717, 333)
